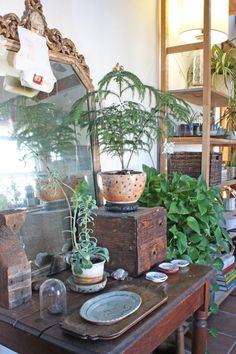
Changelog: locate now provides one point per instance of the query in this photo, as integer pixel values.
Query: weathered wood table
(22, 330)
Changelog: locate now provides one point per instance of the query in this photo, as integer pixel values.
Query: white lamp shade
(191, 28)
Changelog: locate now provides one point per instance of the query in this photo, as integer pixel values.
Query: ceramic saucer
(167, 267)
(181, 263)
(156, 277)
(86, 288)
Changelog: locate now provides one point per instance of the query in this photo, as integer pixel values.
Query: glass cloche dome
(53, 302)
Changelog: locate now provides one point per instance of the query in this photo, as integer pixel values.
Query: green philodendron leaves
(193, 224)
(194, 215)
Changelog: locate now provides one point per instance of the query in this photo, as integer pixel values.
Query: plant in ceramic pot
(191, 125)
(123, 127)
(223, 70)
(86, 258)
(230, 166)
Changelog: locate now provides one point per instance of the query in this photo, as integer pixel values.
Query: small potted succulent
(86, 258)
(124, 127)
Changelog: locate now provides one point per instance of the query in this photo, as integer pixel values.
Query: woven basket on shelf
(189, 163)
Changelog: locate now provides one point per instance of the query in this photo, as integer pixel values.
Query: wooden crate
(189, 163)
(136, 240)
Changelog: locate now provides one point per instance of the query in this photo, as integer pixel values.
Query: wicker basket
(189, 163)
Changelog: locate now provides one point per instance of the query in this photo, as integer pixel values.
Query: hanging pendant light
(191, 28)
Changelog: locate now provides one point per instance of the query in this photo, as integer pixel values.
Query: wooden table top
(179, 287)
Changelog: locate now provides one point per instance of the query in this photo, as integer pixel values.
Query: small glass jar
(53, 302)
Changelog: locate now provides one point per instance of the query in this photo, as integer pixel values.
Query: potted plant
(194, 216)
(191, 125)
(223, 70)
(86, 258)
(123, 127)
(230, 166)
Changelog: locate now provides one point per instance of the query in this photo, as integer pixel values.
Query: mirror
(37, 135)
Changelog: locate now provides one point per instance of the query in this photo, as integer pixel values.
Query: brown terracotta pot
(49, 191)
(121, 186)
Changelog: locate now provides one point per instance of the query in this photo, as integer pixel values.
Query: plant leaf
(193, 224)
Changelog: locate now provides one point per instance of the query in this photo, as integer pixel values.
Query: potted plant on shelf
(86, 258)
(123, 127)
(230, 166)
(191, 125)
(223, 70)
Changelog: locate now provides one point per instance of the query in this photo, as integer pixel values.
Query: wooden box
(136, 240)
(15, 270)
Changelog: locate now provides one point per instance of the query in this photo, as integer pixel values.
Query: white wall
(106, 32)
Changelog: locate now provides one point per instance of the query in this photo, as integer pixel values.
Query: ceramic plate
(168, 267)
(110, 307)
(157, 277)
(181, 263)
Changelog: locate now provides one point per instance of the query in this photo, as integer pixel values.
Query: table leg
(179, 333)
(199, 342)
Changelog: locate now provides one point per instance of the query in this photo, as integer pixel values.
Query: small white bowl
(156, 277)
(167, 266)
(181, 263)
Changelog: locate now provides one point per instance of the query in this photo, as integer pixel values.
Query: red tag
(37, 79)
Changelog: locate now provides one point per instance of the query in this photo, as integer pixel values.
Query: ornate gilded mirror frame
(61, 50)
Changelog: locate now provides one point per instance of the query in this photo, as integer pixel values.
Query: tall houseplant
(86, 258)
(129, 117)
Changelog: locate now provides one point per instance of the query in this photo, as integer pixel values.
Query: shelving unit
(195, 96)
(227, 183)
(196, 140)
(205, 96)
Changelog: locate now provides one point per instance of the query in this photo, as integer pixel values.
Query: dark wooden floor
(225, 323)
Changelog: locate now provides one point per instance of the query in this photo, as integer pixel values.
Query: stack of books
(226, 278)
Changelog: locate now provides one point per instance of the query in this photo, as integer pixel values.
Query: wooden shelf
(198, 140)
(227, 183)
(195, 96)
(222, 295)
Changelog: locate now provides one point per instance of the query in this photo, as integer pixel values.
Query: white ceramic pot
(219, 84)
(92, 275)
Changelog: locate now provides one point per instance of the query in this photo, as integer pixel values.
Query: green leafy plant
(229, 115)
(84, 245)
(194, 215)
(232, 161)
(122, 126)
(223, 63)
(29, 129)
(192, 117)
